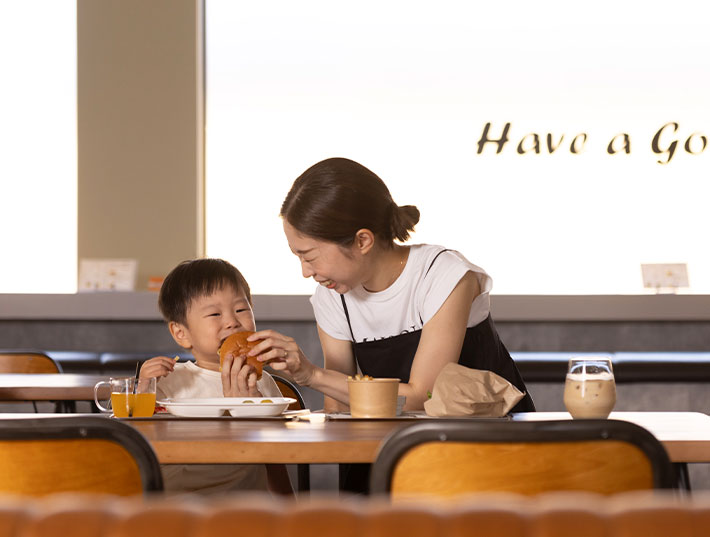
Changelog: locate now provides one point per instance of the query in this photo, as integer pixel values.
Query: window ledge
(136, 306)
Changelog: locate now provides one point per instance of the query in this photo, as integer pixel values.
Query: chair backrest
(27, 362)
(457, 457)
(289, 389)
(89, 454)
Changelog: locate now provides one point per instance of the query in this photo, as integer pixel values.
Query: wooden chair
(27, 362)
(574, 514)
(31, 362)
(40, 456)
(457, 457)
(289, 389)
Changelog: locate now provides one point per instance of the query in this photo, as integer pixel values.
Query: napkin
(462, 391)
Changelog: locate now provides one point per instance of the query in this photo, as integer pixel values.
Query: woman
(390, 309)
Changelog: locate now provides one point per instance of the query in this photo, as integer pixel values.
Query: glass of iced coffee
(590, 391)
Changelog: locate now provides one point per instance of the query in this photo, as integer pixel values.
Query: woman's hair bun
(404, 219)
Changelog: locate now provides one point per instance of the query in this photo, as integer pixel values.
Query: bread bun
(238, 345)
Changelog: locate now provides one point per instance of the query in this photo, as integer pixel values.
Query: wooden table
(685, 435)
(50, 387)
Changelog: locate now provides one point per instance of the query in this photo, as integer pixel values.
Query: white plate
(243, 407)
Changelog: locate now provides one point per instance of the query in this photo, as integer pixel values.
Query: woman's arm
(284, 355)
(441, 341)
(338, 358)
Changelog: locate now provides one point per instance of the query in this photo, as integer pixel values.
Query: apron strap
(347, 316)
(435, 258)
(427, 272)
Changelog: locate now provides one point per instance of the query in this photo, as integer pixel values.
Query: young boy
(204, 301)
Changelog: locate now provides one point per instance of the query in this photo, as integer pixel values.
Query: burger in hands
(237, 345)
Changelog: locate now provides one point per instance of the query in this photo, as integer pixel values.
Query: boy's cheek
(250, 323)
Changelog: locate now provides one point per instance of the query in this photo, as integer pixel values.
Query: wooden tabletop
(264, 441)
(50, 387)
(685, 435)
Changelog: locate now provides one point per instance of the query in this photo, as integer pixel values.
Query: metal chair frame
(85, 428)
(399, 442)
(303, 470)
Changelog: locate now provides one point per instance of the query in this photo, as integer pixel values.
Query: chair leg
(65, 407)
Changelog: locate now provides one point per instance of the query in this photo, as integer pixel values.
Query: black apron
(393, 357)
(481, 349)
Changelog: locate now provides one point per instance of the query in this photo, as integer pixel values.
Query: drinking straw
(135, 384)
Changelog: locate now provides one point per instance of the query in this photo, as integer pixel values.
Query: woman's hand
(160, 366)
(283, 354)
(238, 377)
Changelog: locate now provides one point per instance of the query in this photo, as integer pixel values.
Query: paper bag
(462, 391)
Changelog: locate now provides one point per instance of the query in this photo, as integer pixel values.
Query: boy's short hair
(195, 278)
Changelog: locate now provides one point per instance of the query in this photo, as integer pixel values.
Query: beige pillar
(140, 132)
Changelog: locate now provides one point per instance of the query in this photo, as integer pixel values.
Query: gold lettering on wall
(664, 142)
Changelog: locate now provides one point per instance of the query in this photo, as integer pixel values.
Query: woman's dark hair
(195, 278)
(334, 198)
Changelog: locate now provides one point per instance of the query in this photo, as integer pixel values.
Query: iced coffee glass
(590, 390)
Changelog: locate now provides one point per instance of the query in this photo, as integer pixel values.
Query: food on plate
(266, 401)
(238, 345)
(248, 402)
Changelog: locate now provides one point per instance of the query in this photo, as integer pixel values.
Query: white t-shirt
(189, 380)
(406, 305)
(186, 381)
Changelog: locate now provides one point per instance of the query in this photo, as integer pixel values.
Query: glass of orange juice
(130, 397)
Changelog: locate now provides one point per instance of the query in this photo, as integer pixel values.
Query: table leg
(681, 469)
(304, 477)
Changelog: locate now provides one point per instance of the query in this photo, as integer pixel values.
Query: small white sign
(107, 274)
(665, 275)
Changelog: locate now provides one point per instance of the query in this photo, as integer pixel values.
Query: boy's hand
(238, 378)
(160, 366)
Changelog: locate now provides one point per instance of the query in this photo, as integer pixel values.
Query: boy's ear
(180, 334)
